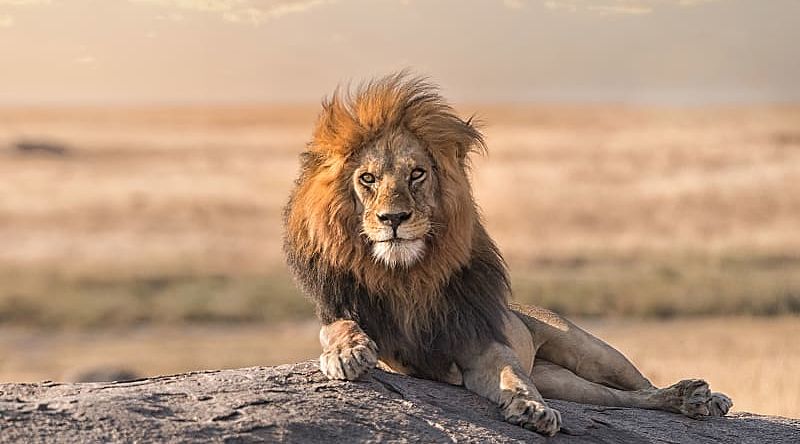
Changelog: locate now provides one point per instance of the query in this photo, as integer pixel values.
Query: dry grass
(35, 355)
(175, 214)
(756, 361)
(608, 180)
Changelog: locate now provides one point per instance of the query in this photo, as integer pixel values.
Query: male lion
(383, 233)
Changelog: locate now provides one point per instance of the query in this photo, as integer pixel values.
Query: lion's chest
(427, 351)
(453, 375)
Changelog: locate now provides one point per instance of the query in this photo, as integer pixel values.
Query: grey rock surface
(296, 403)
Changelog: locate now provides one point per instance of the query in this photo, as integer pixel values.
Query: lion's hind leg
(690, 397)
(578, 362)
(561, 342)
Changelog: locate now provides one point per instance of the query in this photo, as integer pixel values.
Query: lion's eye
(417, 174)
(367, 178)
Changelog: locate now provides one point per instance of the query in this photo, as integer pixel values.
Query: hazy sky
(153, 51)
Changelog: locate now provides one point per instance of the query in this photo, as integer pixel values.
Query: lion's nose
(394, 219)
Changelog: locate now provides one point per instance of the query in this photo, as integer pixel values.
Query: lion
(383, 233)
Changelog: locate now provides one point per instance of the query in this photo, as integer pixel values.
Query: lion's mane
(451, 301)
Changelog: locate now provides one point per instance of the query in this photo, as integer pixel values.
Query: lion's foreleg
(347, 352)
(495, 373)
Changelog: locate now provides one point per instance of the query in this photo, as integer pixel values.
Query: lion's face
(395, 186)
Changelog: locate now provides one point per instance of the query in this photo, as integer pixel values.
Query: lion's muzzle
(394, 219)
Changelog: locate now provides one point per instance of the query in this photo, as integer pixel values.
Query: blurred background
(643, 175)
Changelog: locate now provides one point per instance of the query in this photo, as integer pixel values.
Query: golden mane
(348, 121)
(346, 124)
(322, 241)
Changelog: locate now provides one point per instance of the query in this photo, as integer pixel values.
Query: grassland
(164, 215)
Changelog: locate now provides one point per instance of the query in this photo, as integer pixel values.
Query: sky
(297, 51)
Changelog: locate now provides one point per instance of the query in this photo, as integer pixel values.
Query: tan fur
(391, 128)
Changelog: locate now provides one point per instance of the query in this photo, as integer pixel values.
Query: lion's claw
(533, 415)
(349, 362)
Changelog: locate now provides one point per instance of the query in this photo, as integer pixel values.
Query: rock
(296, 403)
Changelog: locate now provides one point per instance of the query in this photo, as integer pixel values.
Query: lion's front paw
(719, 404)
(349, 362)
(533, 415)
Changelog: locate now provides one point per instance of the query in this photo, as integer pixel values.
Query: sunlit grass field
(642, 286)
(119, 224)
(164, 215)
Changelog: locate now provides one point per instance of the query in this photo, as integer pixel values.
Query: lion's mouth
(398, 251)
(396, 240)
